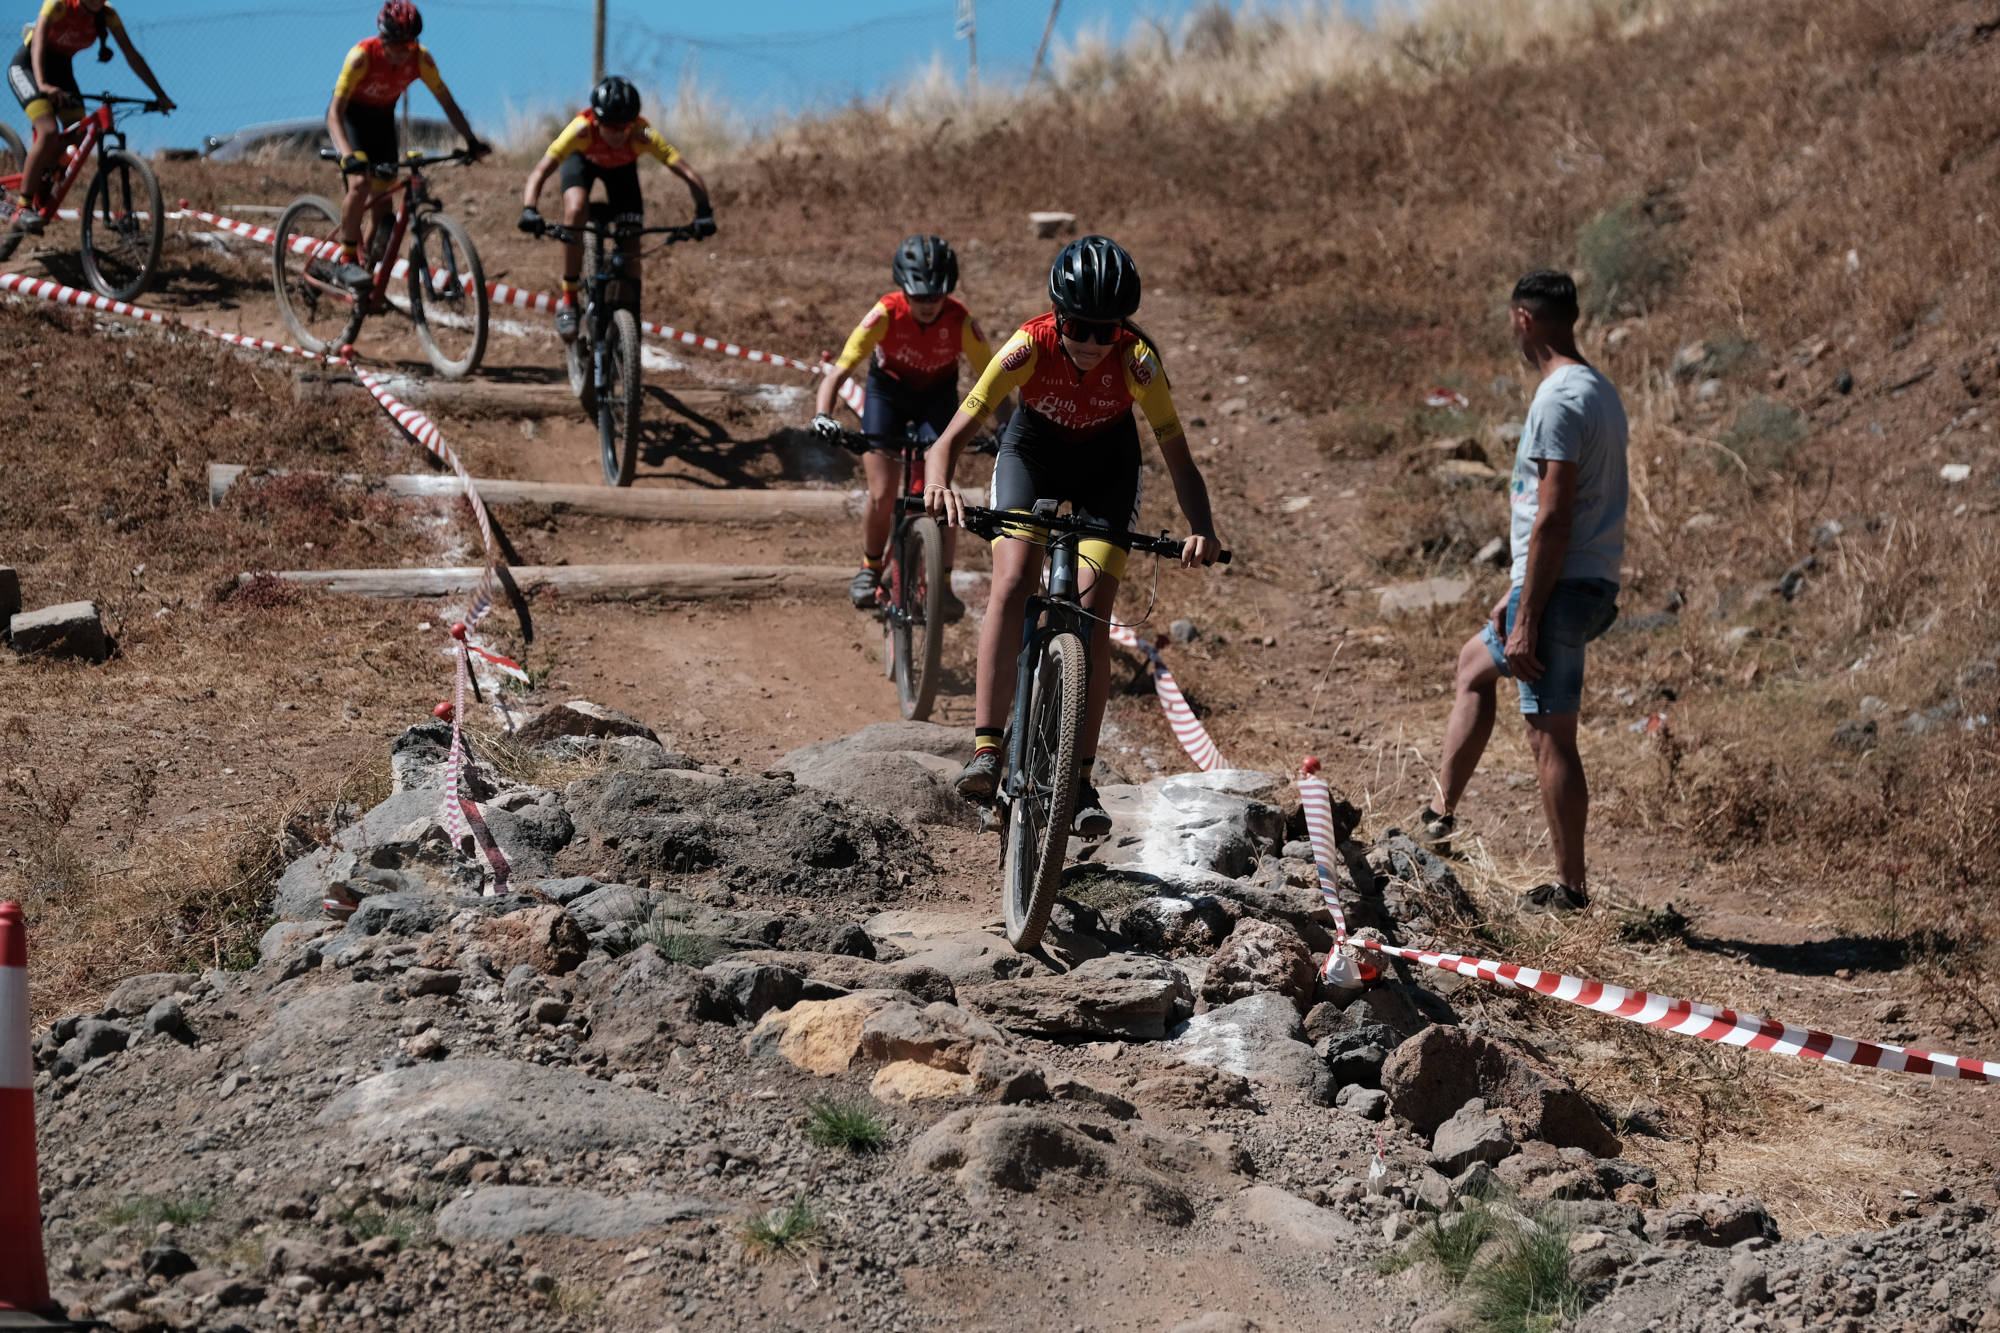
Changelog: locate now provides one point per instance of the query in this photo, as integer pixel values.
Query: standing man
(1569, 497)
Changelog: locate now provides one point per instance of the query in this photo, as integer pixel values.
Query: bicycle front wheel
(447, 295)
(917, 617)
(123, 221)
(618, 401)
(13, 156)
(1039, 814)
(322, 315)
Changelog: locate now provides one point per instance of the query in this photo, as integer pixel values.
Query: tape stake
(1187, 728)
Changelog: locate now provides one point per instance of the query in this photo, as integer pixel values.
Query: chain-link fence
(516, 68)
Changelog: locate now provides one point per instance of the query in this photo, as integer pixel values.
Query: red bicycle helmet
(399, 21)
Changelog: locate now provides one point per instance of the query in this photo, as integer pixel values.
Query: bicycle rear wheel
(322, 315)
(618, 404)
(447, 295)
(917, 617)
(13, 156)
(1038, 816)
(123, 223)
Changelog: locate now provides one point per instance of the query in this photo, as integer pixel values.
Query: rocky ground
(719, 1058)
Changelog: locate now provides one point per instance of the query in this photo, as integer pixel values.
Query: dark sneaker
(1434, 829)
(353, 277)
(954, 610)
(980, 777)
(861, 591)
(566, 322)
(1559, 899)
(1090, 819)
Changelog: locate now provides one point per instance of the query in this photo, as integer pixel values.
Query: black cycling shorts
(621, 185)
(371, 131)
(21, 79)
(1099, 477)
(894, 408)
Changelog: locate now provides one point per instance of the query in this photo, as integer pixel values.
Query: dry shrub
(1624, 260)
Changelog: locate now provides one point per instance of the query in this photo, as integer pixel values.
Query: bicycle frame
(1057, 609)
(100, 134)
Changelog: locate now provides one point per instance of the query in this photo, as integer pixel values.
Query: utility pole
(597, 47)
(1048, 30)
(968, 28)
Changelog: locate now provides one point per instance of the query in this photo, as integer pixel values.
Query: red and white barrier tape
(501, 293)
(421, 429)
(1686, 1017)
(1194, 737)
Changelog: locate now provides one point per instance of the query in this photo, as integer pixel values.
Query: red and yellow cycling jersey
(583, 135)
(71, 27)
(369, 78)
(1081, 405)
(919, 355)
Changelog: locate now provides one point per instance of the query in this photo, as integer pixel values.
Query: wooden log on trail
(501, 398)
(615, 582)
(681, 504)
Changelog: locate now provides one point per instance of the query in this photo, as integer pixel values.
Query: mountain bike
(604, 359)
(447, 288)
(912, 591)
(1037, 798)
(123, 220)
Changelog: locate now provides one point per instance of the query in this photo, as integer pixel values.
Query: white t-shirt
(1576, 417)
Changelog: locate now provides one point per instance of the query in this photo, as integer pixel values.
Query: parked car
(304, 138)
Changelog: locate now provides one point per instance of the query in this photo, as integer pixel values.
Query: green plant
(1450, 1242)
(1624, 260)
(1762, 435)
(573, 1300)
(792, 1229)
(1528, 1289)
(149, 1210)
(1087, 886)
(848, 1125)
(408, 1224)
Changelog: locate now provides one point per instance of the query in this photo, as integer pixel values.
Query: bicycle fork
(1058, 605)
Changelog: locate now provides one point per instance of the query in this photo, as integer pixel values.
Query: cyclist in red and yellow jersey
(362, 120)
(45, 84)
(603, 144)
(912, 339)
(1079, 369)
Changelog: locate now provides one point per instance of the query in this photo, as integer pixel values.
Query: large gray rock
(420, 757)
(580, 717)
(1719, 1220)
(69, 630)
(135, 995)
(1433, 1074)
(501, 1104)
(641, 1005)
(766, 836)
(1259, 1038)
(1298, 1224)
(504, 1212)
(1176, 925)
(1120, 996)
(342, 1024)
(852, 973)
(994, 1152)
(901, 768)
(1259, 957)
(1195, 821)
(1473, 1135)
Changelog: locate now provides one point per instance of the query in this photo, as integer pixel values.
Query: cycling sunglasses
(1104, 332)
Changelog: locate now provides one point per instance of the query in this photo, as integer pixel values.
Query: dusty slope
(1825, 886)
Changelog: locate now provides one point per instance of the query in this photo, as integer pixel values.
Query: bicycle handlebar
(988, 523)
(460, 155)
(150, 103)
(612, 231)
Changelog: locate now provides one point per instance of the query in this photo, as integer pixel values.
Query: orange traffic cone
(24, 1274)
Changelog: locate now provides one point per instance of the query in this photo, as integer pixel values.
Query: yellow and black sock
(985, 738)
(876, 563)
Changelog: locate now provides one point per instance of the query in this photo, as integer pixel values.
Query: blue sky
(235, 62)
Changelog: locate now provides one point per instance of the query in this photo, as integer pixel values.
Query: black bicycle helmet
(399, 21)
(615, 101)
(925, 267)
(1093, 278)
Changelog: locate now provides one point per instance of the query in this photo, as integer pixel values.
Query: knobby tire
(1038, 818)
(320, 321)
(917, 621)
(444, 307)
(619, 408)
(124, 221)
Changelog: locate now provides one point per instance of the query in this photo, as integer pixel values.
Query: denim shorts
(1578, 611)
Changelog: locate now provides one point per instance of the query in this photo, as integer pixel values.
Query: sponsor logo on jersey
(873, 317)
(1017, 356)
(1142, 370)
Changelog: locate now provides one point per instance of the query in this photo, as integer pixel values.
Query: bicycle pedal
(990, 820)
